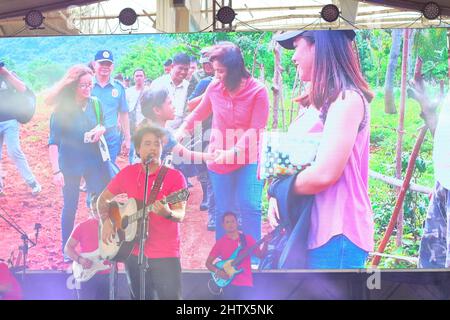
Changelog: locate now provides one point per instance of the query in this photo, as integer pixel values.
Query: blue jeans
(96, 181)
(131, 154)
(239, 189)
(9, 133)
(114, 142)
(338, 253)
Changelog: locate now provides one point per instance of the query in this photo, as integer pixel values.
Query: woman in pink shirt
(341, 228)
(239, 105)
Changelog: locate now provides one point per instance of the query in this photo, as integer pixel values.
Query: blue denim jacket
(67, 132)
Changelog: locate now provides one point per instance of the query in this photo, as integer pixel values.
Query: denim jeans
(9, 133)
(114, 142)
(131, 154)
(211, 202)
(338, 253)
(96, 181)
(239, 189)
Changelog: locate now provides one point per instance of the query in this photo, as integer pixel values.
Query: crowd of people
(207, 122)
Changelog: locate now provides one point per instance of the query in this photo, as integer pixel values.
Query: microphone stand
(142, 261)
(26, 240)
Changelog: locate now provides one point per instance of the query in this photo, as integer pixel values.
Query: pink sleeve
(77, 233)
(178, 182)
(250, 242)
(4, 274)
(260, 114)
(202, 111)
(216, 250)
(115, 185)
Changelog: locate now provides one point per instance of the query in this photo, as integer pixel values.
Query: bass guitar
(126, 219)
(230, 265)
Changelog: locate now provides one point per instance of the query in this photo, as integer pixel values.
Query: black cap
(286, 39)
(168, 62)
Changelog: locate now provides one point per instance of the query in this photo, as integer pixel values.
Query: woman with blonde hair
(75, 130)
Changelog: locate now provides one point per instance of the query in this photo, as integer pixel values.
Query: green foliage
(431, 46)
(255, 47)
(374, 47)
(42, 74)
(382, 196)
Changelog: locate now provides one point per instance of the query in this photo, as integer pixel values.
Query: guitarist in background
(241, 286)
(162, 247)
(9, 286)
(85, 234)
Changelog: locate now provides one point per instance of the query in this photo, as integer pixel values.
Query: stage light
(226, 15)
(330, 13)
(34, 19)
(127, 16)
(431, 11)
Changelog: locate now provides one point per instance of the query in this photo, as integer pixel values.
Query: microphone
(148, 160)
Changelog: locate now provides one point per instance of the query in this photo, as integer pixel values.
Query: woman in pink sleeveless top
(341, 229)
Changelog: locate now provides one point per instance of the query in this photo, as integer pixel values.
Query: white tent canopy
(101, 17)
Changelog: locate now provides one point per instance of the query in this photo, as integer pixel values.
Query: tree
(389, 99)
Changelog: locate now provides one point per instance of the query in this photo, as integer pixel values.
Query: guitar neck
(250, 249)
(181, 195)
(140, 214)
(248, 252)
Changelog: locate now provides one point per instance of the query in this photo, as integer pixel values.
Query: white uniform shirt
(178, 94)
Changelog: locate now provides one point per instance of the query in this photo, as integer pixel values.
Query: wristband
(55, 173)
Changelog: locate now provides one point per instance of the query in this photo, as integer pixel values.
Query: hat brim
(286, 39)
(102, 60)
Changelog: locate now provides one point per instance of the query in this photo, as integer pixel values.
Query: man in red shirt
(85, 235)
(9, 286)
(162, 247)
(240, 287)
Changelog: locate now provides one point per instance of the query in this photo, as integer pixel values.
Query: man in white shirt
(176, 84)
(133, 95)
(435, 244)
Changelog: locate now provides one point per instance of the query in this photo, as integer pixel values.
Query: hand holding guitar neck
(161, 209)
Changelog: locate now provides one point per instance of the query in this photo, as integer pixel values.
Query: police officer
(111, 94)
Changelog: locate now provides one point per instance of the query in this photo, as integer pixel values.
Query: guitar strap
(156, 187)
(157, 184)
(242, 240)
